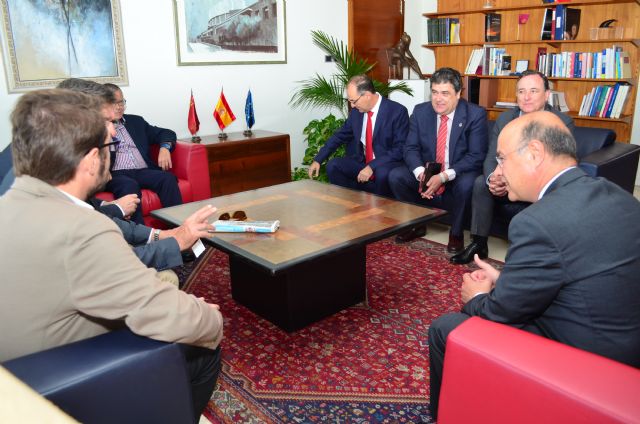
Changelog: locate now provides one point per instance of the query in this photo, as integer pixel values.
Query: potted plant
(320, 91)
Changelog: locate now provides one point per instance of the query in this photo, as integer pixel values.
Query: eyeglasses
(353, 102)
(121, 103)
(236, 216)
(112, 143)
(501, 158)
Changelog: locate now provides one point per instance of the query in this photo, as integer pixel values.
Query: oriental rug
(366, 364)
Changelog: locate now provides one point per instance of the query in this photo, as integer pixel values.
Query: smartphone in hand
(430, 169)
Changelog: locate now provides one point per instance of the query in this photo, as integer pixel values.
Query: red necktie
(441, 146)
(368, 155)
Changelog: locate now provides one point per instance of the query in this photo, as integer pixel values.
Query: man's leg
(380, 185)
(123, 183)
(438, 333)
(164, 183)
(482, 204)
(203, 366)
(404, 187)
(456, 198)
(344, 172)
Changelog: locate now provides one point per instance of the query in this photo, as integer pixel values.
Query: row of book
(610, 63)
(443, 30)
(560, 23)
(605, 101)
(489, 60)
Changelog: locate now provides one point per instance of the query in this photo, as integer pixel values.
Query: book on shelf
(474, 62)
(443, 31)
(571, 23)
(492, 23)
(558, 101)
(506, 104)
(605, 101)
(506, 65)
(547, 25)
(245, 226)
(558, 29)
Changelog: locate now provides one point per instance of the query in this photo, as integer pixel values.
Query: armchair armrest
(617, 162)
(114, 377)
(190, 163)
(497, 373)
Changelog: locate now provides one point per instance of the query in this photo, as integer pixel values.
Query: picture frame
(521, 66)
(80, 39)
(223, 34)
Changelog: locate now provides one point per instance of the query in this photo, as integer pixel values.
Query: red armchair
(191, 166)
(499, 374)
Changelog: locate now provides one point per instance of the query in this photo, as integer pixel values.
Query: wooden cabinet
(242, 163)
(524, 44)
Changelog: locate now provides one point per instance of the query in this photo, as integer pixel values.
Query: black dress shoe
(456, 244)
(412, 234)
(466, 255)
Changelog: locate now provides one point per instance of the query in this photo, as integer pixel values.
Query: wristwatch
(156, 235)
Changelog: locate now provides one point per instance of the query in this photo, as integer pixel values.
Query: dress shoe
(412, 234)
(456, 244)
(466, 255)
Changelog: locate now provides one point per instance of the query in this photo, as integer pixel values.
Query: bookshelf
(524, 44)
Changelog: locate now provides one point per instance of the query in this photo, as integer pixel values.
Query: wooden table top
(315, 219)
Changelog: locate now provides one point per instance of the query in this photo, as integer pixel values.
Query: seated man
(67, 272)
(532, 92)
(452, 132)
(571, 271)
(132, 168)
(373, 133)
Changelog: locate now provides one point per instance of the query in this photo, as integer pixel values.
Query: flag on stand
(222, 113)
(248, 111)
(193, 123)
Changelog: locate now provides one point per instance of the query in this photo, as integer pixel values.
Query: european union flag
(248, 111)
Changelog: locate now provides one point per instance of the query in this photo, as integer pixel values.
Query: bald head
(547, 128)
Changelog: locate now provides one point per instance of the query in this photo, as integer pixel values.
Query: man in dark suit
(453, 133)
(374, 134)
(571, 271)
(131, 167)
(532, 92)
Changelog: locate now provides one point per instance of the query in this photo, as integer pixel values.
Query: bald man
(571, 270)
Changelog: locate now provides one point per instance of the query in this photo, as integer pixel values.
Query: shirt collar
(75, 200)
(547, 185)
(376, 107)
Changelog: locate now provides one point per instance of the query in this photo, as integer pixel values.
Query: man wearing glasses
(132, 168)
(67, 272)
(489, 191)
(374, 134)
(571, 271)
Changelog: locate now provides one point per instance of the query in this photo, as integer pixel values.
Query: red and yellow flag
(193, 123)
(222, 113)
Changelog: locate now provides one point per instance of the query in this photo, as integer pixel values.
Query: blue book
(559, 26)
(594, 101)
(616, 87)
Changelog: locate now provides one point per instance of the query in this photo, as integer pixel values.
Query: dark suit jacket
(571, 271)
(144, 135)
(389, 134)
(467, 142)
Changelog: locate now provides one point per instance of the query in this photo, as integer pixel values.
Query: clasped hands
(497, 185)
(482, 280)
(433, 185)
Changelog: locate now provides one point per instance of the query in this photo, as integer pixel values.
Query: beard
(103, 176)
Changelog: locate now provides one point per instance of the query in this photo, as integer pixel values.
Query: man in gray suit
(67, 272)
(571, 271)
(532, 93)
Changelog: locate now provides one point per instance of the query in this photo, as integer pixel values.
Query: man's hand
(478, 281)
(497, 186)
(164, 159)
(433, 185)
(128, 204)
(314, 169)
(365, 174)
(194, 227)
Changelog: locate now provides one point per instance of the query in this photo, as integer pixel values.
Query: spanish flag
(222, 113)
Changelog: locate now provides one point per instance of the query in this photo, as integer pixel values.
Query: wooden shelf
(554, 43)
(624, 119)
(629, 81)
(537, 6)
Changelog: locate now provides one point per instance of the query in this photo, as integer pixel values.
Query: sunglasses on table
(235, 216)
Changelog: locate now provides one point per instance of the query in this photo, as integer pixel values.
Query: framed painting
(47, 41)
(226, 32)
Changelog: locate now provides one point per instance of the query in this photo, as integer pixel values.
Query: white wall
(159, 89)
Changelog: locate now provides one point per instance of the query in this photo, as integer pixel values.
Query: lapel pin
(460, 124)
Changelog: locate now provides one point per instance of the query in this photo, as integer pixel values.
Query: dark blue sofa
(117, 377)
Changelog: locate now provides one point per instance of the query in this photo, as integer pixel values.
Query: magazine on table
(245, 226)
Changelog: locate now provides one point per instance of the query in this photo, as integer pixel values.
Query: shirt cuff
(451, 173)
(419, 170)
(150, 239)
(487, 180)
(166, 145)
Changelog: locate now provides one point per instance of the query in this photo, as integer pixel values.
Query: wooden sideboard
(241, 163)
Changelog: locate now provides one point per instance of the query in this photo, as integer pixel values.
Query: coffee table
(315, 264)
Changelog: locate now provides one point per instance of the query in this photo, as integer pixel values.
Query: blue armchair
(117, 377)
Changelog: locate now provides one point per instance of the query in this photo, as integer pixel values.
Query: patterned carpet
(366, 364)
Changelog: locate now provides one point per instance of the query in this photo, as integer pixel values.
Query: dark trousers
(483, 204)
(344, 172)
(203, 366)
(456, 197)
(130, 181)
